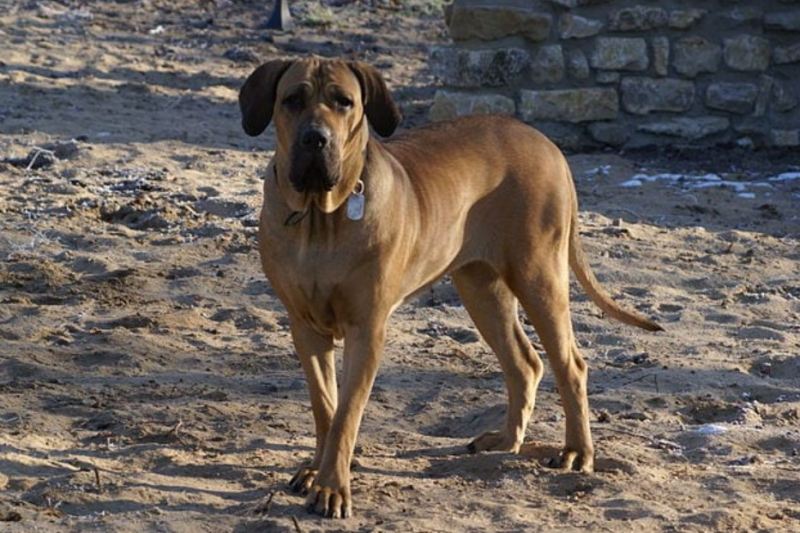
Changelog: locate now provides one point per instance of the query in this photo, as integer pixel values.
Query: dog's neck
(294, 217)
(317, 212)
(326, 202)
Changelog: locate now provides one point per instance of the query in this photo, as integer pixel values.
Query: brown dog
(351, 227)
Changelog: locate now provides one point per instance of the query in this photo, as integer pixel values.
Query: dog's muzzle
(315, 139)
(314, 163)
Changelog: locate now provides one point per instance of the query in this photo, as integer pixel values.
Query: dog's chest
(309, 284)
(316, 307)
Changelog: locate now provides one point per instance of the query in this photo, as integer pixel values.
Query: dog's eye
(293, 101)
(343, 101)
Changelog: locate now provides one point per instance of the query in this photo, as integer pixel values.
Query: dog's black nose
(315, 138)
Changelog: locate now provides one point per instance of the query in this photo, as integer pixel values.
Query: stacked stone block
(627, 73)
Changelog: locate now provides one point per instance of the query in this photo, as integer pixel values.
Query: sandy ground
(147, 379)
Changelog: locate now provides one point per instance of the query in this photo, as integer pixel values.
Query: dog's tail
(579, 264)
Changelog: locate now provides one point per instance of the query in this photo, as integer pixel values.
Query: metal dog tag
(355, 203)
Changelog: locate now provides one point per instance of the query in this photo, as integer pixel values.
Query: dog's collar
(355, 203)
(295, 216)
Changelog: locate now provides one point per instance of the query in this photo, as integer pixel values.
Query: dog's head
(321, 109)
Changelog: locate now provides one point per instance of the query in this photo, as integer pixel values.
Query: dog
(352, 226)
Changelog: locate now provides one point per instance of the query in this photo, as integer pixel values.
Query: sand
(147, 378)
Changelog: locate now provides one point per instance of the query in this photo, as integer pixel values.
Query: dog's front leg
(363, 347)
(315, 352)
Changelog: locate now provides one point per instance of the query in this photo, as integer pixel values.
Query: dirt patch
(147, 375)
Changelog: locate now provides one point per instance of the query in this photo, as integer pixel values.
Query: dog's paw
(494, 441)
(571, 460)
(329, 500)
(302, 481)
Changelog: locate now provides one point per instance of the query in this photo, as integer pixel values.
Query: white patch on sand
(688, 182)
(711, 429)
(786, 176)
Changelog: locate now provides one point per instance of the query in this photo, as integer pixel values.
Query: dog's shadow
(533, 457)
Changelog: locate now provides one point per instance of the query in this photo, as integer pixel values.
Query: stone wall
(627, 73)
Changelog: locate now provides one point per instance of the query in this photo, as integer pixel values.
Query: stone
(240, 54)
(488, 23)
(764, 91)
(64, 150)
(660, 55)
(620, 53)
(744, 15)
(607, 76)
(577, 65)
(693, 55)
(448, 105)
(753, 126)
(565, 136)
(575, 3)
(35, 160)
(681, 19)
(547, 64)
(638, 18)
(783, 97)
(643, 95)
(783, 20)
(786, 54)
(691, 128)
(610, 133)
(785, 137)
(475, 68)
(747, 53)
(574, 27)
(733, 97)
(570, 105)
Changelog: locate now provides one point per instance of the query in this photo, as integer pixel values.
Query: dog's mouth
(314, 172)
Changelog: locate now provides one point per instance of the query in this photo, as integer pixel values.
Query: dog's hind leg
(543, 292)
(493, 308)
(316, 356)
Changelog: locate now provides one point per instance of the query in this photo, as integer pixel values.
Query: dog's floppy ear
(257, 95)
(382, 112)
